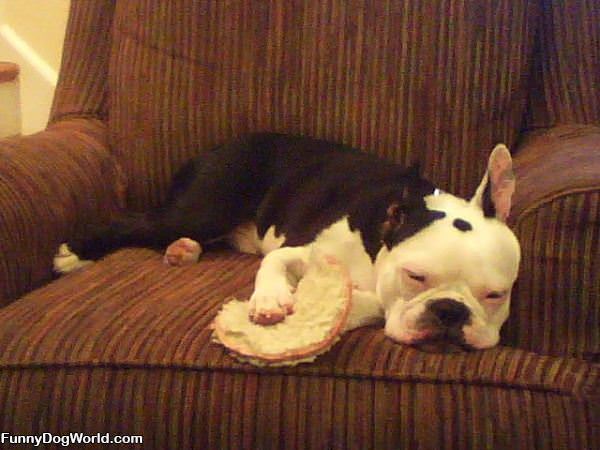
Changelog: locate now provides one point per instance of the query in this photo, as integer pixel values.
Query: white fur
(464, 266)
(347, 247)
(273, 293)
(246, 240)
(366, 309)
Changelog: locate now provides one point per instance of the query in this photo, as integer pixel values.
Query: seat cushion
(128, 308)
(124, 346)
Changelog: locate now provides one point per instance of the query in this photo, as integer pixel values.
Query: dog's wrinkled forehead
(408, 220)
(437, 203)
(464, 215)
(465, 229)
(432, 209)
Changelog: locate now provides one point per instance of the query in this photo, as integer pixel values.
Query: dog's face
(448, 285)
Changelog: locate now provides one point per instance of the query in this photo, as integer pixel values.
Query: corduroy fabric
(556, 301)
(566, 81)
(51, 184)
(179, 408)
(82, 84)
(121, 330)
(554, 162)
(436, 82)
(558, 284)
(123, 346)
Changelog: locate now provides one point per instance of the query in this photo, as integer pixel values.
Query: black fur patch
(462, 225)
(413, 218)
(297, 184)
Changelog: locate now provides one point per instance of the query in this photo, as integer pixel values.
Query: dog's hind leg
(182, 252)
(209, 198)
(128, 229)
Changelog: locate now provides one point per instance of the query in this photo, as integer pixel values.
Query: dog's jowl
(437, 268)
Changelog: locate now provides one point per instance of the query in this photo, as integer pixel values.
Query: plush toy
(323, 303)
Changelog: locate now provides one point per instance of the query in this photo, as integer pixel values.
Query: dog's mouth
(440, 327)
(448, 340)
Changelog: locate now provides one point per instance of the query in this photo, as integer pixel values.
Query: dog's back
(294, 186)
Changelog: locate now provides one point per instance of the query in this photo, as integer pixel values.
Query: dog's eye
(495, 295)
(415, 276)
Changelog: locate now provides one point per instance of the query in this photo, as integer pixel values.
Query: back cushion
(438, 82)
(566, 88)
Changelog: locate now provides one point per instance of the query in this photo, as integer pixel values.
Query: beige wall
(32, 34)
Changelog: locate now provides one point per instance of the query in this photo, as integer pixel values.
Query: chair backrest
(437, 82)
(566, 85)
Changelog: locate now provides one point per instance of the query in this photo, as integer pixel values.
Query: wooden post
(10, 100)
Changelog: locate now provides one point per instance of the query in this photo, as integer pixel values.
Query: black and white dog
(437, 268)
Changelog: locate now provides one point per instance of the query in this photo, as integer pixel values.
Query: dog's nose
(449, 312)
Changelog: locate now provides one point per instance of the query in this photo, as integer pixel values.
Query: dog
(436, 268)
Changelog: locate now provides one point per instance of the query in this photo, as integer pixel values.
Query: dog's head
(448, 284)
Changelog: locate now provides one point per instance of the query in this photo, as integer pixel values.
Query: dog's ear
(393, 220)
(495, 191)
(405, 219)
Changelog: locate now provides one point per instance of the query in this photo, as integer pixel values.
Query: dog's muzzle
(444, 318)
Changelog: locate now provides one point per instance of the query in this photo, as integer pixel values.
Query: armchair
(123, 346)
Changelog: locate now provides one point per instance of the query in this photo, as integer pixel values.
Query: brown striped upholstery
(51, 185)
(427, 81)
(124, 345)
(557, 213)
(82, 88)
(566, 88)
(557, 218)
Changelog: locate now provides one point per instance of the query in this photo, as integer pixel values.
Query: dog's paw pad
(66, 261)
(182, 252)
(267, 317)
(270, 307)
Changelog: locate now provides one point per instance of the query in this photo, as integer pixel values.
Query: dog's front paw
(270, 305)
(66, 261)
(182, 252)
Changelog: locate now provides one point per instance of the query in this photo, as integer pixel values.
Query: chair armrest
(553, 163)
(556, 216)
(51, 184)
